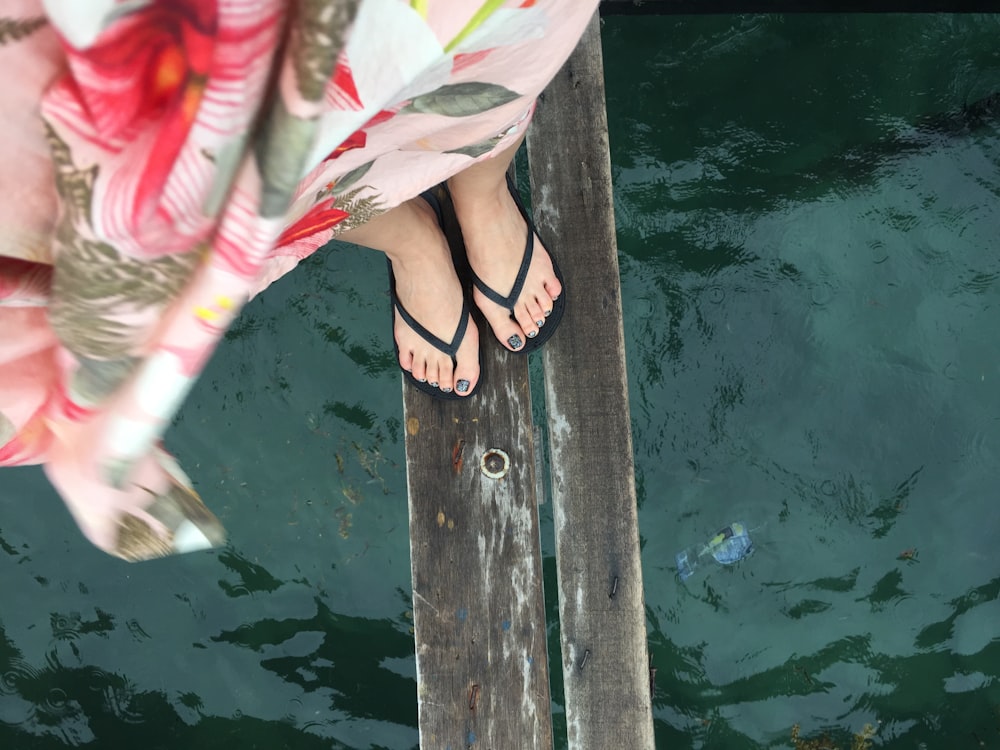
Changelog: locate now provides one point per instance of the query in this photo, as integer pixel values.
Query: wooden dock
(479, 619)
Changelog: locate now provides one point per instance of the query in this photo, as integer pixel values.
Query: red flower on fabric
(380, 117)
(341, 93)
(144, 78)
(149, 64)
(357, 139)
(319, 218)
(465, 59)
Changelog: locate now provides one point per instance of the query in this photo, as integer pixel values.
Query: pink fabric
(165, 160)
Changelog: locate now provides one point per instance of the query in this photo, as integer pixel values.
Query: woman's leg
(427, 286)
(494, 232)
(428, 289)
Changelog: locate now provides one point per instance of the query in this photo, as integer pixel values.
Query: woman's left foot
(495, 233)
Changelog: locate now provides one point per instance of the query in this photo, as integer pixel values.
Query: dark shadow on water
(349, 660)
(52, 705)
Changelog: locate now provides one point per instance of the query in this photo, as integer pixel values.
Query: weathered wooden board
(601, 604)
(479, 618)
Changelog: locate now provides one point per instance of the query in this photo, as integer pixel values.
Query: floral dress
(165, 160)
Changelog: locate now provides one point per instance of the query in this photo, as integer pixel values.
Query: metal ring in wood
(495, 463)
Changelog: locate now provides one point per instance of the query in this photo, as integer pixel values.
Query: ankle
(480, 202)
(418, 242)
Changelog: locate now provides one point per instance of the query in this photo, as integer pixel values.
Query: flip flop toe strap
(447, 348)
(522, 274)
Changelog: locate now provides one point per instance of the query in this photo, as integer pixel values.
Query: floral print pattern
(186, 153)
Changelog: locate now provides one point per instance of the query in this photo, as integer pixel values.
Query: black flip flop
(449, 348)
(558, 306)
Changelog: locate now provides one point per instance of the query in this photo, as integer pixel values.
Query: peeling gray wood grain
(601, 604)
(479, 618)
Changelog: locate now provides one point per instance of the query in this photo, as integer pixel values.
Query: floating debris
(727, 547)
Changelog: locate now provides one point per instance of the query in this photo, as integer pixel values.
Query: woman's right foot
(428, 288)
(494, 232)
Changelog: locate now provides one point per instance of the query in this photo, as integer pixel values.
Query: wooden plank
(601, 605)
(479, 616)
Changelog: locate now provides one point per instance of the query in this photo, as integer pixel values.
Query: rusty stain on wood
(456, 455)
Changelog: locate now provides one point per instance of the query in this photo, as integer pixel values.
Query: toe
(535, 311)
(466, 373)
(419, 370)
(526, 320)
(406, 360)
(508, 332)
(431, 374)
(445, 378)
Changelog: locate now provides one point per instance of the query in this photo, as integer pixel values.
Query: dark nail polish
(421, 380)
(548, 313)
(515, 342)
(446, 390)
(432, 384)
(540, 323)
(462, 386)
(532, 334)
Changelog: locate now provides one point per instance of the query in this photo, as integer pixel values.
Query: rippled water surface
(808, 222)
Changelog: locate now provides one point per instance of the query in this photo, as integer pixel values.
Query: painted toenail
(462, 386)
(547, 313)
(421, 380)
(432, 384)
(532, 334)
(540, 323)
(446, 390)
(515, 342)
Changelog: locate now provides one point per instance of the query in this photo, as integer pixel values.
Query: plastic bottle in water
(730, 545)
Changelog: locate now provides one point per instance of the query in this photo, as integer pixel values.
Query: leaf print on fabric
(462, 99)
(93, 282)
(320, 30)
(97, 378)
(187, 523)
(75, 186)
(476, 150)
(360, 210)
(14, 29)
(93, 285)
(485, 11)
(348, 180)
(284, 143)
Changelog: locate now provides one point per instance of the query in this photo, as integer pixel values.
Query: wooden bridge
(479, 616)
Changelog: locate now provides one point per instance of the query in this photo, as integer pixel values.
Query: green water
(807, 228)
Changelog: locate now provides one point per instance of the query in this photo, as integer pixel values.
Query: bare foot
(428, 289)
(495, 232)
